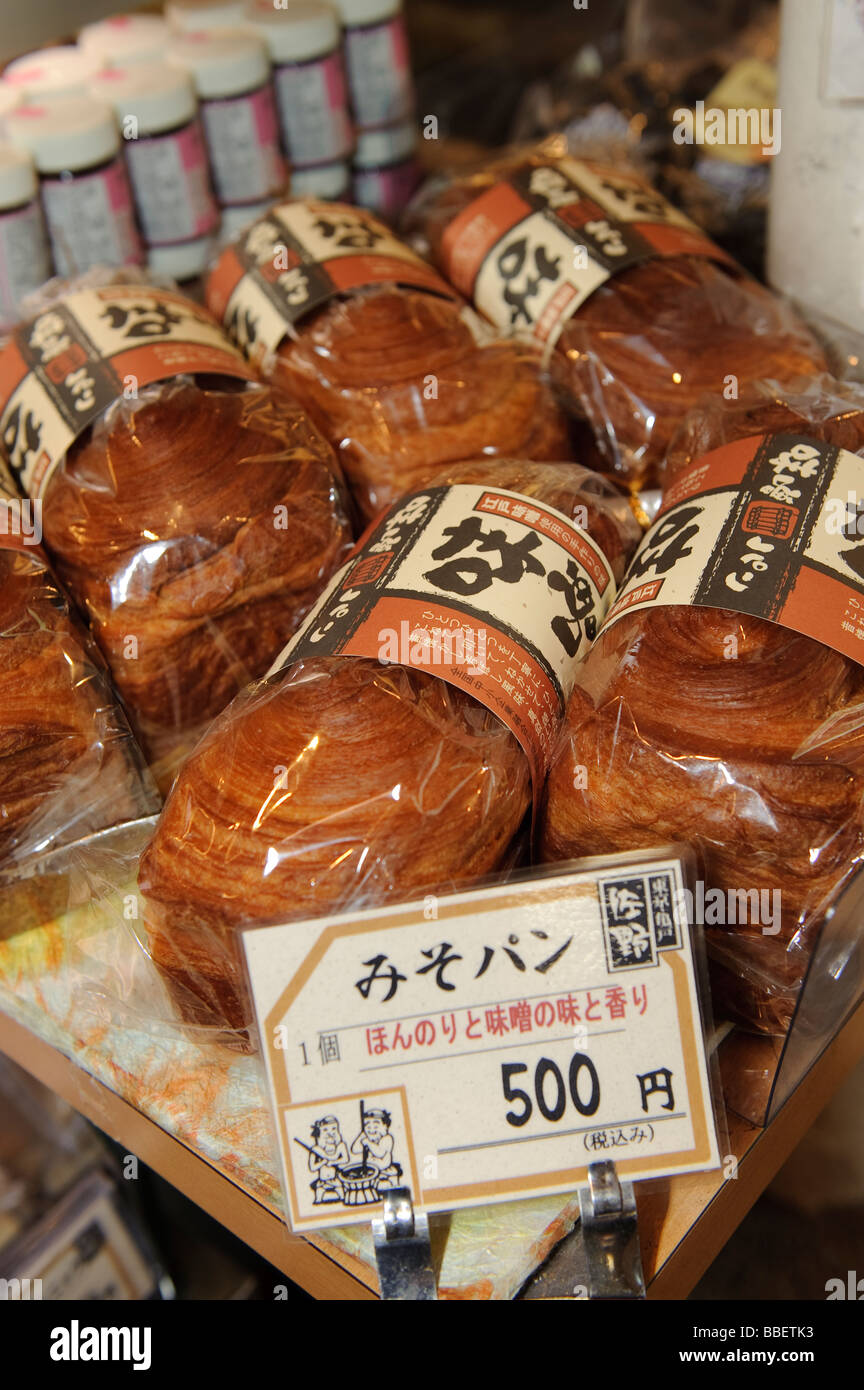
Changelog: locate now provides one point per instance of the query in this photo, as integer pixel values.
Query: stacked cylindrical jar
(157, 112)
(304, 44)
(382, 101)
(230, 70)
(25, 257)
(75, 145)
(150, 132)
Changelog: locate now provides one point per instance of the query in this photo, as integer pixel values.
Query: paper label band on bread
(772, 526)
(63, 368)
(299, 257)
(487, 589)
(529, 251)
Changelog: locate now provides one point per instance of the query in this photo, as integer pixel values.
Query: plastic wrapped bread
(397, 375)
(69, 763)
(194, 516)
(639, 314)
(712, 725)
(343, 781)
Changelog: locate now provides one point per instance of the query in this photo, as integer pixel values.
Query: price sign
(485, 1045)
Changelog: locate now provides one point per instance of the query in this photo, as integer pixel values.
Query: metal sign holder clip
(610, 1235)
(402, 1249)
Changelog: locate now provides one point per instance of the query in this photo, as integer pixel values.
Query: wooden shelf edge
(716, 1212)
(239, 1210)
(763, 1157)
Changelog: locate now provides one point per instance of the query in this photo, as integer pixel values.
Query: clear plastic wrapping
(342, 782)
(649, 342)
(69, 763)
(402, 381)
(194, 522)
(734, 734)
(822, 406)
(400, 386)
(195, 526)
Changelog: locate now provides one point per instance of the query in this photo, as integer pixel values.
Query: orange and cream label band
(530, 250)
(63, 368)
(773, 526)
(299, 257)
(492, 591)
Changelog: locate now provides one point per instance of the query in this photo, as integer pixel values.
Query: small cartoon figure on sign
(357, 1178)
(326, 1160)
(374, 1147)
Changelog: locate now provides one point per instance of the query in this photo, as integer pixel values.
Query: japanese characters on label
(300, 256)
(531, 250)
(771, 526)
(485, 1045)
(489, 590)
(63, 368)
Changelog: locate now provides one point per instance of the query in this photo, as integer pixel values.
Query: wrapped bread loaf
(711, 725)
(195, 518)
(640, 315)
(344, 781)
(388, 365)
(68, 764)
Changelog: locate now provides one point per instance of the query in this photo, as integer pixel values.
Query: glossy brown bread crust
(397, 383)
(66, 762)
(342, 783)
(195, 527)
(733, 734)
(647, 344)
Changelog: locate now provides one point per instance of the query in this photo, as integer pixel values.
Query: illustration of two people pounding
(372, 1151)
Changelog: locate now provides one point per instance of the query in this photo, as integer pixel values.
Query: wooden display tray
(684, 1222)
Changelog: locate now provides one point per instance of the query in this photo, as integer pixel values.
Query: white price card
(485, 1045)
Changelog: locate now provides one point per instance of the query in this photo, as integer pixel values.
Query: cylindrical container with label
(51, 74)
(76, 148)
(330, 181)
(386, 174)
(157, 112)
(231, 72)
(234, 220)
(197, 16)
(25, 257)
(376, 57)
(10, 97)
(308, 79)
(125, 38)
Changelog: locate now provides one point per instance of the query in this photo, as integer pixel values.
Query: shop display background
(473, 62)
